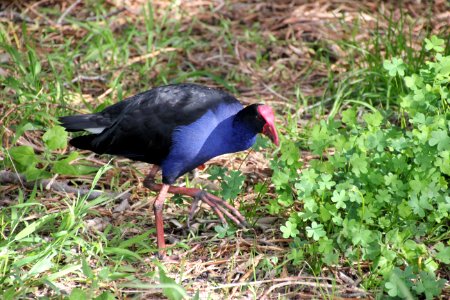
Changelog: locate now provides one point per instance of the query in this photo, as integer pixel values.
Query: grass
(59, 245)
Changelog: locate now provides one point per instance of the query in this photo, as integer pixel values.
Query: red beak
(271, 132)
(269, 128)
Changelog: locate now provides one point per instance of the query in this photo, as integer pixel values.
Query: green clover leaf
(290, 230)
(435, 44)
(339, 198)
(359, 164)
(326, 183)
(444, 253)
(315, 231)
(441, 139)
(395, 66)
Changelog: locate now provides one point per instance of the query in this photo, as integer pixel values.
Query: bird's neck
(243, 135)
(230, 135)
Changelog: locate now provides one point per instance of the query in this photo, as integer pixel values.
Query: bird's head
(261, 119)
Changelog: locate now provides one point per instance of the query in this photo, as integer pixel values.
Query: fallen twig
(148, 55)
(275, 93)
(89, 78)
(20, 17)
(67, 11)
(15, 17)
(8, 177)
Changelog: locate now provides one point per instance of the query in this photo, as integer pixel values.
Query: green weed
(381, 195)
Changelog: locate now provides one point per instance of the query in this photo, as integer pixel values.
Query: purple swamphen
(176, 128)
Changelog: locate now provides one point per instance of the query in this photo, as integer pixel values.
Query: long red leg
(157, 209)
(219, 206)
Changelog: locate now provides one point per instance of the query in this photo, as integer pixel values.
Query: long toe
(217, 210)
(221, 208)
(193, 210)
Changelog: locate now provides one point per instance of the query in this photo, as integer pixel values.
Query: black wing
(141, 126)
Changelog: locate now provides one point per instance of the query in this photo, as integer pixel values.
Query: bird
(176, 128)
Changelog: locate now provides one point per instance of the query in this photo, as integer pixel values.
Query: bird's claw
(219, 206)
(192, 211)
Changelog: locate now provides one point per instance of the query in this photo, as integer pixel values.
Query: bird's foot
(151, 184)
(149, 181)
(219, 206)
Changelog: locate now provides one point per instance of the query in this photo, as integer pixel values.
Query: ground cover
(354, 204)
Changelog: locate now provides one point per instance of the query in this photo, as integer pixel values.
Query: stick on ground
(8, 177)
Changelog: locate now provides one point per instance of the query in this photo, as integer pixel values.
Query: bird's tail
(94, 123)
(84, 142)
(77, 122)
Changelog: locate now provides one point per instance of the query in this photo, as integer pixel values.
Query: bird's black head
(260, 119)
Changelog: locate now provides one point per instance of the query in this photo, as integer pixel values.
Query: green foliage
(315, 231)
(55, 138)
(290, 229)
(395, 66)
(42, 234)
(443, 254)
(170, 288)
(231, 185)
(366, 82)
(435, 44)
(401, 284)
(26, 161)
(383, 196)
(224, 231)
(37, 166)
(231, 182)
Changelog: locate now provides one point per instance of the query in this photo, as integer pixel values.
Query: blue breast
(211, 135)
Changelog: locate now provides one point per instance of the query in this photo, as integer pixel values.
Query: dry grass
(268, 67)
